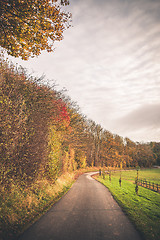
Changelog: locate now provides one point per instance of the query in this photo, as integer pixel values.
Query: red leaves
(60, 113)
(28, 110)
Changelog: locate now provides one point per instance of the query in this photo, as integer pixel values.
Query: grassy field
(152, 175)
(144, 209)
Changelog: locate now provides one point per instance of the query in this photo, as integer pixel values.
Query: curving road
(86, 212)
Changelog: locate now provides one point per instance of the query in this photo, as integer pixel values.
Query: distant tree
(29, 26)
(155, 146)
(119, 150)
(145, 156)
(130, 151)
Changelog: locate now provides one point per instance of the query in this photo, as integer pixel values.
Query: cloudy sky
(109, 62)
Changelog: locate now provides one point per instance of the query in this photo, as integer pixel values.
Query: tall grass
(20, 206)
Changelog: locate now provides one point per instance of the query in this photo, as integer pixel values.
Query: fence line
(150, 185)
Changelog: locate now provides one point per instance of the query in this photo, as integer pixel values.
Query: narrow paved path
(86, 212)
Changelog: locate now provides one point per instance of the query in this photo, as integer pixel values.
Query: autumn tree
(130, 151)
(155, 146)
(90, 125)
(108, 148)
(21, 109)
(120, 156)
(76, 139)
(144, 155)
(29, 26)
(33, 120)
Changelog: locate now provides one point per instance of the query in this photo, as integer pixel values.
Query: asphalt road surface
(86, 212)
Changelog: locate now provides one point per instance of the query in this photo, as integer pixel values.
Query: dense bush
(28, 109)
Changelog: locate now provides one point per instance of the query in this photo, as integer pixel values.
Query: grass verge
(143, 210)
(20, 207)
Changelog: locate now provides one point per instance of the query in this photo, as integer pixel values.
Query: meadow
(152, 175)
(142, 209)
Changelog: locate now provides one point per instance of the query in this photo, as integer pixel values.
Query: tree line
(43, 133)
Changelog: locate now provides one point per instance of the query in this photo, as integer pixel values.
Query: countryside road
(86, 212)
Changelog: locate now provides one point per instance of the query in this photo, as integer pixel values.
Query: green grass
(152, 175)
(144, 209)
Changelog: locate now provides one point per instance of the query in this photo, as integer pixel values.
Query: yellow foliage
(30, 26)
(55, 153)
(69, 163)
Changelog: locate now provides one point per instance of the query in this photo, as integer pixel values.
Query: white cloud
(144, 116)
(143, 120)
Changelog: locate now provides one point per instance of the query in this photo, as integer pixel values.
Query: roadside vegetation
(22, 205)
(143, 209)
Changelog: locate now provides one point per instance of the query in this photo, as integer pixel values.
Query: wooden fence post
(110, 176)
(103, 174)
(136, 187)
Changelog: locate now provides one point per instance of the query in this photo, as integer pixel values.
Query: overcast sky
(109, 62)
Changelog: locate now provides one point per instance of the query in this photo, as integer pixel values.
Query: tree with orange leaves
(29, 26)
